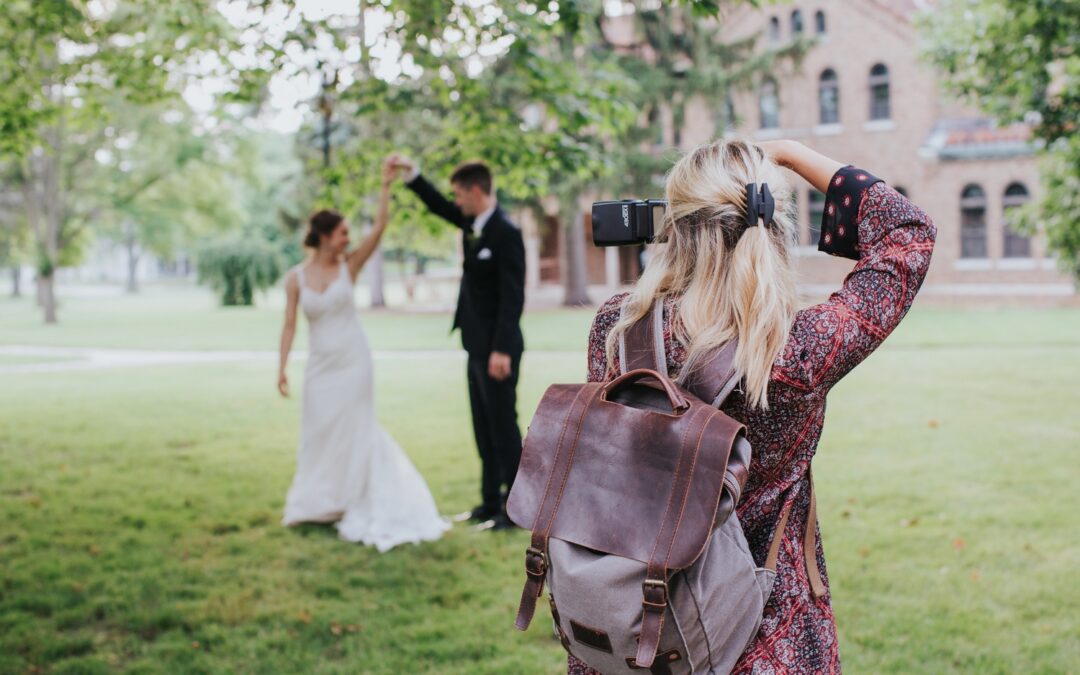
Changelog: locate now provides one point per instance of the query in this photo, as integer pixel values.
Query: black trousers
(494, 416)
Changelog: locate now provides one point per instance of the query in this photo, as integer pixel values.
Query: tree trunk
(378, 278)
(16, 278)
(47, 296)
(577, 292)
(133, 263)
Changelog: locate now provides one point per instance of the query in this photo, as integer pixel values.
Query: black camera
(627, 222)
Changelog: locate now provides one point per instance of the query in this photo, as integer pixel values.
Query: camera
(626, 222)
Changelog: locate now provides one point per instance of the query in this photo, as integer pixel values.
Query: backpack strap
(715, 379)
(810, 540)
(536, 558)
(642, 344)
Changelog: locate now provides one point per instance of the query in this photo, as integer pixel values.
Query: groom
(489, 307)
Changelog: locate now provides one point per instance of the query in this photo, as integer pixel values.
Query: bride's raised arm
(359, 255)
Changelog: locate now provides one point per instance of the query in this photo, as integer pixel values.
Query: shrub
(236, 267)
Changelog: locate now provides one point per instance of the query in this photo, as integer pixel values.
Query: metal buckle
(537, 556)
(653, 583)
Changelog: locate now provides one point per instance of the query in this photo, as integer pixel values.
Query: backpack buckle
(654, 593)
(535, 562)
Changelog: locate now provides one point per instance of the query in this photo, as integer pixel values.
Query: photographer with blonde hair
(719, 276)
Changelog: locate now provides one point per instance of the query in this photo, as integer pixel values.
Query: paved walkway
(58, 359)
(92, 358)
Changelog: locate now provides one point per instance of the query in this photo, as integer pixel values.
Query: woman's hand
(390, 171)
(814, 167)
(283, 384)
(779, 151)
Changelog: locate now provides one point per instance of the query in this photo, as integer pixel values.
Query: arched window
(819, 22)
(1016, 245)
(829, 97)
(816, 212)
(879, 92)
(796, 23)
(774, 29)
(769, 104)
(973, 222)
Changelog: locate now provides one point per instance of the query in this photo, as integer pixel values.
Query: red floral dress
(892, 240)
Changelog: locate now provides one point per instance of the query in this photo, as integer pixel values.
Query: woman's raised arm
(358, 256)
(892, 240)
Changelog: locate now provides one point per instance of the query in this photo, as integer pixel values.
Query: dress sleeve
(892, 240)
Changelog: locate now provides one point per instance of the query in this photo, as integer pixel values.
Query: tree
(1019, 60)
(63, 63)
(163, 180)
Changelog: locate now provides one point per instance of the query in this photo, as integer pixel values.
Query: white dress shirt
(482, 219)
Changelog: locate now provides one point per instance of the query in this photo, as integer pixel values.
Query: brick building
(863, 96)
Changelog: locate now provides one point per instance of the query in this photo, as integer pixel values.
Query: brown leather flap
(625, 465)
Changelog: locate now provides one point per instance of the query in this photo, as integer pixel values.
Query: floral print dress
(892, 240)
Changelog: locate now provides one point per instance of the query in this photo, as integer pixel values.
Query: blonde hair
(732, 281)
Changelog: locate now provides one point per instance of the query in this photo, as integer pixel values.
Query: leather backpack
(629, 488)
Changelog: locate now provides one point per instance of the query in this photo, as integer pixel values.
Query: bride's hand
(390, 171)
(283, 384)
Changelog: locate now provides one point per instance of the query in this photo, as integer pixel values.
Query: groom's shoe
(502, 522)
(483, 513)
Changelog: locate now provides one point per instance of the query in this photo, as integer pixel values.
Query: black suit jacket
(492, 293)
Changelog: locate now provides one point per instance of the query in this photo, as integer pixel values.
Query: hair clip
(759, 205)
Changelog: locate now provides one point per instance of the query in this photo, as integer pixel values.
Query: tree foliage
(65, 64)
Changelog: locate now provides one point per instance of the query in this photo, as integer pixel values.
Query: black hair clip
(759, 205)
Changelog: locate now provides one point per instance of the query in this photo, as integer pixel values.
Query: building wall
(860, 34)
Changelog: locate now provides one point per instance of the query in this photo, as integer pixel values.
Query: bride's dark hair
(321, 222)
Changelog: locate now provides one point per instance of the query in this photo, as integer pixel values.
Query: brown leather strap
(654, 606)
(654, 590)
(817, 584)
(714, 379)
(641, 345)
(777, 539)
(810, 540)
(536, 555)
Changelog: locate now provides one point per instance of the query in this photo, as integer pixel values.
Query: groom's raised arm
(437, 203)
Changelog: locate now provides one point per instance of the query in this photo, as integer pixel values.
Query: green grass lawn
(185, 318)
(170, 317)
(139, 508)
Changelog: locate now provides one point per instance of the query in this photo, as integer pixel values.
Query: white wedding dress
(348, 468)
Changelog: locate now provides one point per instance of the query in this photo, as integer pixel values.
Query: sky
(291, 92)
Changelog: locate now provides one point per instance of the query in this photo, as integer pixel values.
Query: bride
(348, 469)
